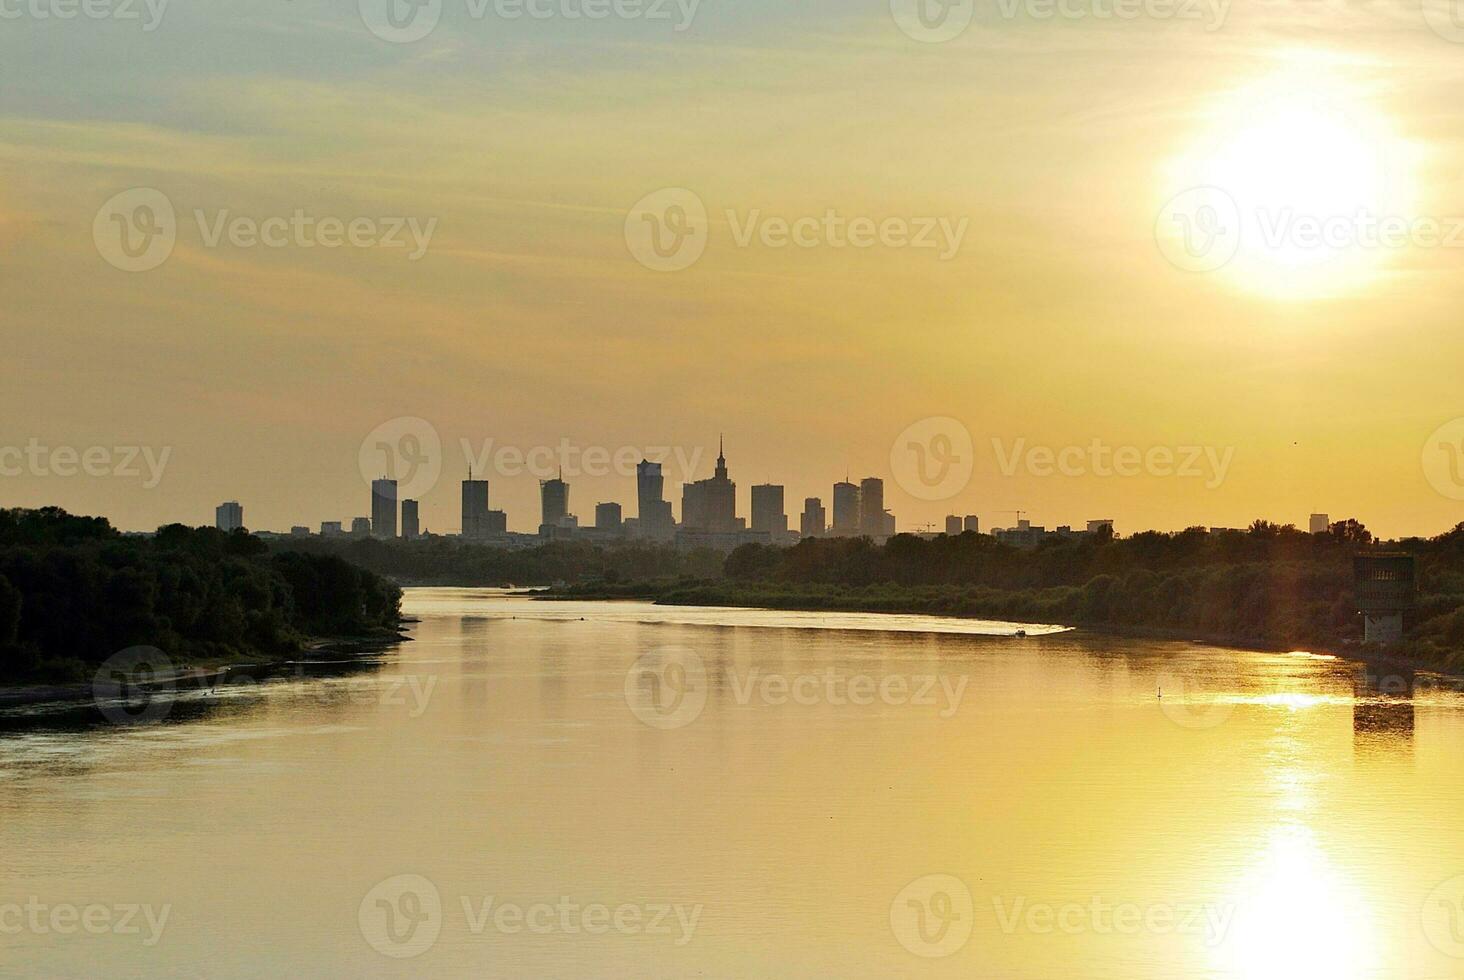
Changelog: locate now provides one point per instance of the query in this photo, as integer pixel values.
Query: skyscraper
(229, 516)
(846, 509)
(475, 507)
(813, 522)
(411, 521)
(1320, 523)
(768, 513)
(871, 507)
(711, 504)
(384, 508)
(554, 503)
(953, 525)
(973, 523)
(652, 507)
(608, 518)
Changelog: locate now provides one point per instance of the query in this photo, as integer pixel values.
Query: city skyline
(1058, 320)
(1005, 477)
(715, 508)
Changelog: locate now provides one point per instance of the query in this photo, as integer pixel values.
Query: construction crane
(1020, 513)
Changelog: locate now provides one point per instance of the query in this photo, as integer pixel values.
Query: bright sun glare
(1309, 171)
(1295, 916)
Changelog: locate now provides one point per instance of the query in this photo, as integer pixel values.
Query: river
(535, 789)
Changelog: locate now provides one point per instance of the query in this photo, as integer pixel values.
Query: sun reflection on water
(1296, 916)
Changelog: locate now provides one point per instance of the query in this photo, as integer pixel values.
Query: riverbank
(196, 675)
(1011, 607)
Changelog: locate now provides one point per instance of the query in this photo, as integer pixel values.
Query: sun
(1304, 185)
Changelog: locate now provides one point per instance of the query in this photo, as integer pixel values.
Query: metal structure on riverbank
(1386, 593)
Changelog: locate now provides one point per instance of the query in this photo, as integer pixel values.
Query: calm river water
(622, 790)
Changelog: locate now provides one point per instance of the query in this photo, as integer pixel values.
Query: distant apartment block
(1320, 523)
(411, 519)
(609, 518)
(361, 527)
(952, 525)
(331, 529)
(229, 516)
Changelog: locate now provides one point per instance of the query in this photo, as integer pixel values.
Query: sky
(1010, 255)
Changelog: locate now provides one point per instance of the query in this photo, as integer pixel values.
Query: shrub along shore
(1268, 587)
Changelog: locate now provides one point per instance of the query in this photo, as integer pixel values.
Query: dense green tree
(73, 591)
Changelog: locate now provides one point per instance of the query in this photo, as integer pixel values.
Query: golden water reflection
(1251, 815)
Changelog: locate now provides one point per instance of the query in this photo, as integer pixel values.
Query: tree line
(74, 591)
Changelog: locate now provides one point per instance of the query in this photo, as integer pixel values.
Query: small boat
(1020, 634)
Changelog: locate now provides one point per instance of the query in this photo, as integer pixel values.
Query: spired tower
(711, 504)
(1386, 591)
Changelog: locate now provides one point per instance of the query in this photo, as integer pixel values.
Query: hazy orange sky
(1060, 315)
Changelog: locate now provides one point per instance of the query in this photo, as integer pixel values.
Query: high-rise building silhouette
(813, 522)
(554, 503)
(475, 507)
(710, 505)
(229, 516)
(608, 517)
(1320, 523)
(953, 525)
(846, 509)
(384, 508)
(973, 523)
(768, 513)
(652, 508)
(411, 520)
(871, 507)
(361, 527)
